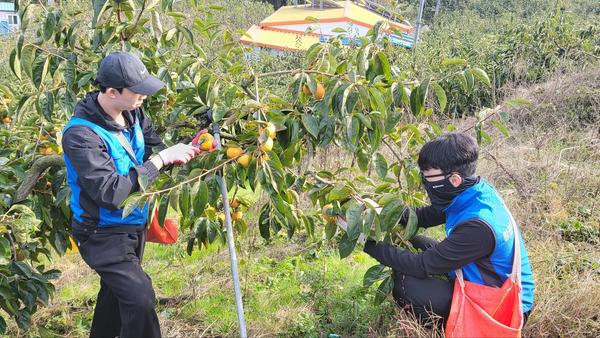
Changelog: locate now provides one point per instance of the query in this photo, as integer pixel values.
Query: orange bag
(159, 234)
(484, 311)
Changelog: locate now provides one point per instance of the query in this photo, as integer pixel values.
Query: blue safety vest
(123, 163)
(482, 202)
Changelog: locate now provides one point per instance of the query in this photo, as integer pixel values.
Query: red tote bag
(166, 234)
(484, 311)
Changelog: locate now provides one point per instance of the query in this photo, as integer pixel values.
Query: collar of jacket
(89, 108)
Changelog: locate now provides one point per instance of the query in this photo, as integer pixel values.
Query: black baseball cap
(125, 70)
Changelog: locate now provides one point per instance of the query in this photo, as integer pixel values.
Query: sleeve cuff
(370, 247)
(152, 171)
(147, 169)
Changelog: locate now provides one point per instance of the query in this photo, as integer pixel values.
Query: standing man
(479, 236)
(107, 149)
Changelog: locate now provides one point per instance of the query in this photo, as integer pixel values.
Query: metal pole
(232, 256)
(417, 30)
(438, 4)
(419, 17)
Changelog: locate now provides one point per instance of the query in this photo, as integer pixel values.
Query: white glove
(179, 153)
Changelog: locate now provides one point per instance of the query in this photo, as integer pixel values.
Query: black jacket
(100, 184)
(471, 241)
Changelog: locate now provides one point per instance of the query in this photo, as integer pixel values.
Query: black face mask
(442, 192)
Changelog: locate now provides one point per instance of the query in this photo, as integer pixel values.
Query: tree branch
(397, 157)
(152, 193)
(34, 173)
(137, 20)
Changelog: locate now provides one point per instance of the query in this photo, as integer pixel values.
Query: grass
(288, 291)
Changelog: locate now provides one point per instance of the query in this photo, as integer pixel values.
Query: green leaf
(340, 192)
(201, 198)
(27, 59)
(518, 102)
(190, 246)
(2, 325)
(330, 230)
(385, 65)
(311, 124)
(482, 76)
(470, 80)
(23, 319)
(345, 94)
(130, 203)
(40, 69)
(485, 136)
(170, 34)
(391, 213)
(339, 30)
(163, 207)
(48, 107)
(501, 127)
(20, 268)
(69, 73)
(423, 90)
(15, 63)
(264, 222)
(346, 245)
(454, 62)
(377, 100)
(362, 159)
(84, 79)
(381, 166)
(441, 95)
(384, 289)
(352, 133)
(49, 26)
(4, 247)
(184, 201)
(411, 226)
(311, 19)
(374, 274)
(313, 52)
(354, 220)
(415, 102)
(392, 120)
(176, 15)
(462, 80)
(174, 198)
(99, 7)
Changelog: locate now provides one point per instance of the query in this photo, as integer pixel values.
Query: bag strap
(516, 269)
(515, 274)
(125, 143)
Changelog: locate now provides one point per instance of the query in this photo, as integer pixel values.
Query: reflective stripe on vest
(122, 163)
(482, 202)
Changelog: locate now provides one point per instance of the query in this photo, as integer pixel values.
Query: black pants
(125, 304)
(428, 298)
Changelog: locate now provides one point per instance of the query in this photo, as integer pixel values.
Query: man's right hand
(179, 153)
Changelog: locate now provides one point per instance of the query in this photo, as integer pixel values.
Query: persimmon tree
(346, 96)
